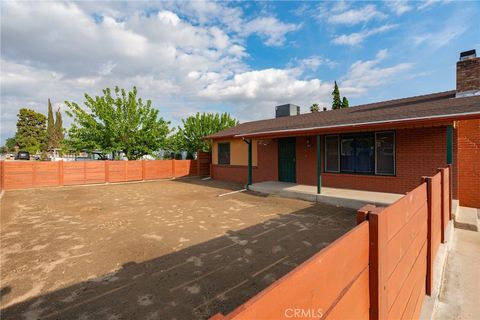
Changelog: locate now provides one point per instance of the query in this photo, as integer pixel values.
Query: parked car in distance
(93, 156)
(22, 155)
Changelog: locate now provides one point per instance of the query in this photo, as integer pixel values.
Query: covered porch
(347, 198)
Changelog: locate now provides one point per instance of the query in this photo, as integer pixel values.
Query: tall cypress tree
(59, 135)
(50, 128)
(336, 102)
(345, 103)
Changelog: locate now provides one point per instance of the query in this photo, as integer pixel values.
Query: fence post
(198, 163)
(429, 280)
(60, 172)
(378, 264)
(34, 174)
(362, 213)
(450, 191)
(143, 169)
(173, 169)
(442, 203)
(107, 171)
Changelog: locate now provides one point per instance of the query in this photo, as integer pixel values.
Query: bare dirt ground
(152, 250)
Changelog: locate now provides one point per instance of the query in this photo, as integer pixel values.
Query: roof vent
(470, 54)
(286, 110)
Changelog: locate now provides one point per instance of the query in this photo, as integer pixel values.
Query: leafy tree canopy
(194, 128)
(117, 121)
(31, 131)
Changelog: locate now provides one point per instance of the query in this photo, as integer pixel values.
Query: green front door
(286, 160)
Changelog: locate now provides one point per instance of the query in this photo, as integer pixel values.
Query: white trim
(359, 124)
(394, 154)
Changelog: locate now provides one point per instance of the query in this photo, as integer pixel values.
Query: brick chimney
(468, 74)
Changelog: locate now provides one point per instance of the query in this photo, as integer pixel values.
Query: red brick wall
(419, 152)
(468, 135)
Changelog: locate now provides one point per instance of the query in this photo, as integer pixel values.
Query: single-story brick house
(385, 146)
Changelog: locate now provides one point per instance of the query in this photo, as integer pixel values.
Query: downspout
(449, 144)
(319, 164)
(249, 143)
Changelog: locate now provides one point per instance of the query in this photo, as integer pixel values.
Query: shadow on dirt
(199, 281)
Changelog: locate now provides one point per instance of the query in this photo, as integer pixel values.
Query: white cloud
(358, 37)
(363, 75)
(269, 28)
(399, 7)
(441, 38)
(267, 88)
(427, 4)
(352, 16)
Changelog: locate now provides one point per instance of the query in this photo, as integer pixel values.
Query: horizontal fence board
(31, 174)
(117, 171)
(400, 243)
(134, 170)
(158, 169)
(317, 283)
(436, 213)
(405, 265)
(409, 311)
(355, 304)
(405, 208)
(185, 168)
(416, 275)
(47, 174)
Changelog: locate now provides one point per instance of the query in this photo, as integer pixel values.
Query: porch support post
(449, 144)
(249, 143)
(319, 164)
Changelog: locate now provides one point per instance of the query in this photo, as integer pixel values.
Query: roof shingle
(426, 106)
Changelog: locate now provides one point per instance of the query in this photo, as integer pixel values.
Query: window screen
(385, 149)
(331, 154)
(347, 154)
(224, 153)
(364, 154)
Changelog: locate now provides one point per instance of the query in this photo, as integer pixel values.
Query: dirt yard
(151, 250)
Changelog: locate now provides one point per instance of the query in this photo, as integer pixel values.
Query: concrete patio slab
(467, 218)
(347, 198)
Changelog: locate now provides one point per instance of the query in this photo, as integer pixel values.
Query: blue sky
(239, 57)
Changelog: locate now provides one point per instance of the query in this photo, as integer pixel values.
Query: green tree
(194, 128)
(59, 134)
(345, 103)
(118, 122)
(31, 131)
(10, 144)
(51, 136)
(314, 107)
(336, 101)
(175, 142)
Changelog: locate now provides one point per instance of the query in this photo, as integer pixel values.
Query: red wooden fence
(332, 283)
(31, 174)
(381, 269)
